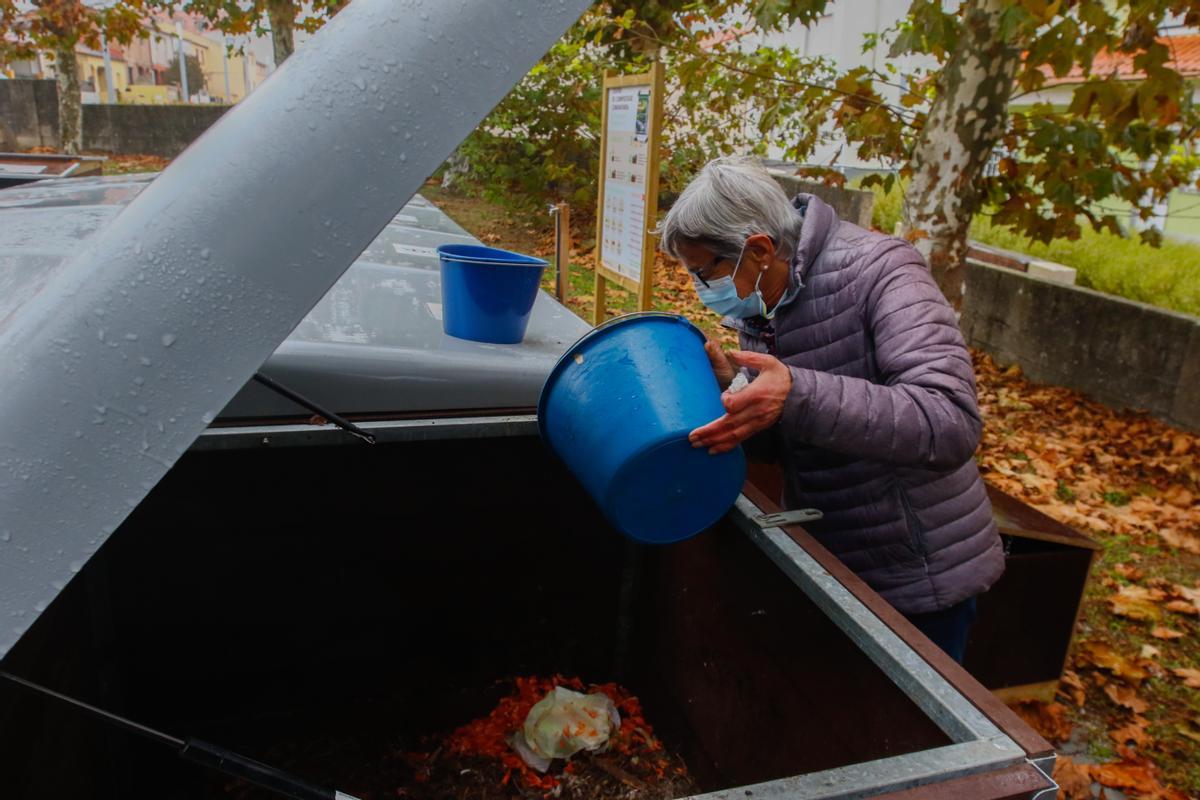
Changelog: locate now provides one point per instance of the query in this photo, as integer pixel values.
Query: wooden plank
(599, 293)
(1013, 783)
(1020, 519)
(988, 704)
(624, 281)
(653, 129)
(562, 253)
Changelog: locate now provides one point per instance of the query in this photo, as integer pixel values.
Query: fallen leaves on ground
(1132, 483)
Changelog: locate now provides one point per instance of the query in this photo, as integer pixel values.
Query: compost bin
(262, 579)
(323, 607)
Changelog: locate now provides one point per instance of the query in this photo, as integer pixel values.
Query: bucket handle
(785, 518)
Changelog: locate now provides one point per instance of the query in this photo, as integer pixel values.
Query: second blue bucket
(618, 408)
(487, 293)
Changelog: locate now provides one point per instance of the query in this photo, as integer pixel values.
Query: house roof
(1185, 57)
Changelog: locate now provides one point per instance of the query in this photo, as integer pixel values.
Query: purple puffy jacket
(881, 426)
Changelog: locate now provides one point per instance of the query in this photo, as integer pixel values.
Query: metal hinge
(795, 517)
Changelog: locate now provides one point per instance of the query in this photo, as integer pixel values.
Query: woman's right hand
(723, 367)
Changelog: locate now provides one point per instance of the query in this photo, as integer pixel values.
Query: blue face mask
(721, 295)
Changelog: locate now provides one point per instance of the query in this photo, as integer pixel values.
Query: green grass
(1166, 276)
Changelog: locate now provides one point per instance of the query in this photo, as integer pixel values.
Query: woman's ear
(762, 248)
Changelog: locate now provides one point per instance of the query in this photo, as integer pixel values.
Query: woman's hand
(722, 366)
(753, 409)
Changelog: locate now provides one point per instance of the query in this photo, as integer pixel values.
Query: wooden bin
(1018, 645)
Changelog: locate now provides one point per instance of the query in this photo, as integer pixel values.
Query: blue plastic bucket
(618, 408)
(487, 293)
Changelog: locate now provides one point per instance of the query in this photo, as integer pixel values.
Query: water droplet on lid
(145, 361)
(168, 339)
(207, 417)
(360, 83)
(76, 566)
(205, 253)
(131, 337)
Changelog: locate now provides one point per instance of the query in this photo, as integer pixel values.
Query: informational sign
(630, 122)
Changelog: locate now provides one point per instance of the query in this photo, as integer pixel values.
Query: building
(141, 69)
(94, 80)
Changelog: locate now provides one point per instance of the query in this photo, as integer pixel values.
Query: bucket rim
(445, 255)
(605, 326)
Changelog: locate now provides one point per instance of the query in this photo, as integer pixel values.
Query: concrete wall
(1122, 353)
(29, 115)
(853, 205)
(146, 130)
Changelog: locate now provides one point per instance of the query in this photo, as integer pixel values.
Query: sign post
(630, 121)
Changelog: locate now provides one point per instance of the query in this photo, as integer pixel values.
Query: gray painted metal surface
(116, 359)
(373, 344)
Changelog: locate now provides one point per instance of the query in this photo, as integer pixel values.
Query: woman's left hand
(753, 409)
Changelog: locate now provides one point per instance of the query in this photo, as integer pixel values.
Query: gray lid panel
(128, 351)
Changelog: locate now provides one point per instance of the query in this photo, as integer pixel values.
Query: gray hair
(729, 201)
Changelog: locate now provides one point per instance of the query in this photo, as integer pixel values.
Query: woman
(862, 385)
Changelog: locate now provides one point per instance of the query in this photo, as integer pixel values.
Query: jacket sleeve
(923, 411)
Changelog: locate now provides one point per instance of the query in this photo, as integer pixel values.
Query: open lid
(116, 359)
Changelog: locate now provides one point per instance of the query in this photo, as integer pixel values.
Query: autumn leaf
(1100, 655)
(1181, 540)
(1133, 776)
(1165, 633)
(1048, 719)
(1134, 732)
(1137, 602)
(1127, 697)
(1191, 677)
(1185, 607)
(1072, 687)
(1178, 496)
(1128, 572)
(1074, 780)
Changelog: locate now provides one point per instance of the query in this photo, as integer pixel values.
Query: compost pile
(477, 761)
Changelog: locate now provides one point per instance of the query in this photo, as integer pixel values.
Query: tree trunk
(70, 108)
(282, 15)
(966, 120)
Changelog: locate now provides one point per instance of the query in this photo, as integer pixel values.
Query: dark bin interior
(321, 607)
(1036, 600)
